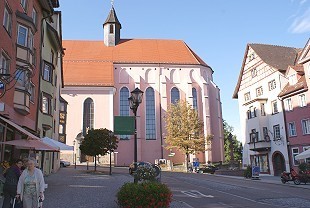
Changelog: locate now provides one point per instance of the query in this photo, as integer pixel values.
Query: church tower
(112, 29)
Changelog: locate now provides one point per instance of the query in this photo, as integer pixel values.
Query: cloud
(301, 24)
(302, 2)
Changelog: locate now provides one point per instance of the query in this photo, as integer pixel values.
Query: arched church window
(88, 115)
(194, 93)
(124, 106)
(150, 114)
(175, 95)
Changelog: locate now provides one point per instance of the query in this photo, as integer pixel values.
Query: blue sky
(217, 30)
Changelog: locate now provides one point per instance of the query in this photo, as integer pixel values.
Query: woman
(31, 185)
(11, 180)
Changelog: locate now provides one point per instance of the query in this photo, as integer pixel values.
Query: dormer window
(292, 79)
(111, 29)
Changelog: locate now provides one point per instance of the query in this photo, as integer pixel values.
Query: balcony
(259, 146)
(21, 101)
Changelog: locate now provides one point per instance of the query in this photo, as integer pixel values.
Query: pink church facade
(105, 72)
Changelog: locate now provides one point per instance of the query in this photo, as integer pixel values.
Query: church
(99, 76)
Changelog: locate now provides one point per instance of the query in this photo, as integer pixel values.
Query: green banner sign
(124, 125)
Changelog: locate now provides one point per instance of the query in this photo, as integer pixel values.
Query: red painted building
(20, 62)
(296, 101)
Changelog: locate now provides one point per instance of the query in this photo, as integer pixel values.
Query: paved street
(204, 190)
(77, 188)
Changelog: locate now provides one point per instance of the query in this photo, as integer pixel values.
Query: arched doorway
(278, 163)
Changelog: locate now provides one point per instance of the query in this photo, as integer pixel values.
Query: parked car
(132, 166)
(207, 169)
(64, 163)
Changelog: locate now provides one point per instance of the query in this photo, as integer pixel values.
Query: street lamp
(134, 101)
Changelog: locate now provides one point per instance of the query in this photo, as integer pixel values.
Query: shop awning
(20, 129)
(303, 155)
(30, 144)
(56, 144)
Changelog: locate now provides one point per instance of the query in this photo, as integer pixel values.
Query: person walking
(10, 186)
(31, 185)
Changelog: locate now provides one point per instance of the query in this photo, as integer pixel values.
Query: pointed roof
(288, 90)
(278, 57)
(305, 53)
(112, 18)
(84, 55)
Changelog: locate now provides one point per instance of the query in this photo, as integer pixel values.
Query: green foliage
(248, 172)
(145, 173)
(141, 195)
(303, 167)
(98, 142)
(236, 145)
(184, 129)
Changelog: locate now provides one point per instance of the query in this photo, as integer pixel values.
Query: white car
(64, 163)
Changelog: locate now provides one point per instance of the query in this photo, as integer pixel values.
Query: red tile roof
(278, 57)
(81, 57)
(289, 89)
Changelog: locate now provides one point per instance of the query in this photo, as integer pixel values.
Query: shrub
(144, 195)
(248, 172)
(303, 167)
(145, 173)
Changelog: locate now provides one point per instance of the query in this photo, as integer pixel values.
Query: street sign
(124, 125)
(255, 172)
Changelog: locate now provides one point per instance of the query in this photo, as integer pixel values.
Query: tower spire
(112, 28)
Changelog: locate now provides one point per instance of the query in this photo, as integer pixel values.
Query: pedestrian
(30, 188)
(11, 180)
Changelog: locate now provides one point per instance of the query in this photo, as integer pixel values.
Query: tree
(98, 142)
(184, 129)
(232, 146)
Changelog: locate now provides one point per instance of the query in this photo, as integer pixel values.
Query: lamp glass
(136, 96)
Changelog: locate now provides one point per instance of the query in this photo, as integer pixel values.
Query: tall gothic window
(175, 95)
(150, 114)
(88, 115)
(194, 92)
(124, 106)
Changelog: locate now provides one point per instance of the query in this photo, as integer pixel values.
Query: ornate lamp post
(134, 101)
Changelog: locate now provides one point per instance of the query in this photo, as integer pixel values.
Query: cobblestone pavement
(79, 188)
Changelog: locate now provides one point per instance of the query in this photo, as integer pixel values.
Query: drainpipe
(160, 117)
(286, 137)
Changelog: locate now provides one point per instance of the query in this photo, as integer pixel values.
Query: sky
(217, 30)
